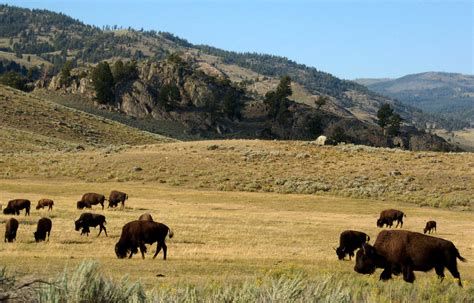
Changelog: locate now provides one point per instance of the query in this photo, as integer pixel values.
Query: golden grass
(37, 124)
(219, 236)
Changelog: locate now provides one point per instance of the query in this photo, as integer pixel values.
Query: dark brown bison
(82, 205)
(349, 241)
(388, 216)
(430, 225)
(146, 217)
(401, 251)
(117, 197)
(11, 227)
(45, 202)
(87, 220)
(14, 207)
(136, 234)
(43, 228)
(90, 199)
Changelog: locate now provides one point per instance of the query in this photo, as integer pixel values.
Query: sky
(347, 38)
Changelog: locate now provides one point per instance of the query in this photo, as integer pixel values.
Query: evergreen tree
(388, 120)
(277, 100)
(65, 75)
(321, 101)
(384, 114)
(103, 82)
(169, 96)
(231, 104)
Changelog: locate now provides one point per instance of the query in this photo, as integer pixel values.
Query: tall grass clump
(88, 284)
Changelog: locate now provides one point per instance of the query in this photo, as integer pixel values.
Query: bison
(388, 216)
(14, 207)
(146, 217)
(136, 234)
(87, 220)
(90, 199)
(43, 228)
(401, 251)
(117, 197)
(45, 202)
(11, 227)
(349, 241)
(430, 225)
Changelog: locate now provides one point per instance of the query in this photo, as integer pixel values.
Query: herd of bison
(395, 251)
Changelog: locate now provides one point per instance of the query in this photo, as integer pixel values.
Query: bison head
(8, 211)
(380, 222)
(365, 260)
(340, 252)
(80, 205)
(78, 224)
(37, 236)
(120, 250)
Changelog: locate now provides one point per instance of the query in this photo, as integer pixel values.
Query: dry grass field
(219, 236)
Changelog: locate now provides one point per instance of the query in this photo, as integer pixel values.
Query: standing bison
(146, 217)
(400, 251)
(388, 216)
(87, 220)
(349, 241)
(45, 203)
(430, 225)
(43, 228)
(117, 197)
(90, 199)
(11, 228)
(136, 234)
(14, 207)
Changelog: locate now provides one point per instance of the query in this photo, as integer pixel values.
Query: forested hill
(41, 43)
(448, 94)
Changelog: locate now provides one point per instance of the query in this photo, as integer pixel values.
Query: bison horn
(334, 248)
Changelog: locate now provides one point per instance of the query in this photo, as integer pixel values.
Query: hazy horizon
(349, 39)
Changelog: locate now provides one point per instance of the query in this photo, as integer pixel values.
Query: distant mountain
(44, 40)
(448, 94)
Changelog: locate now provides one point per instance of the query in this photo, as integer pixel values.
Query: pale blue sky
(350, 39)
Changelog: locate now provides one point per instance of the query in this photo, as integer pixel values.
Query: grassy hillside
(424, 178)
(29, 123)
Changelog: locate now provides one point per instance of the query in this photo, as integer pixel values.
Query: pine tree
(103, 82)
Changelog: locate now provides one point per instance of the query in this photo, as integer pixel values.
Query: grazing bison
(90, 199)
(388, 216)
(349, 241)
(43, 228)
(401, 251)
(430, 225)
(14, 207)
(117, 197)
(45, 202)
(136, 234)
(11, 227)
(146, 217)
(87, 220)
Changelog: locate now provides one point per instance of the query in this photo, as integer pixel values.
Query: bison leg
(386, 274)
(158, 249)
(453, 269)
(105, 230)
(408, 274)
(440, 272)
(143, 250)
(165, 249)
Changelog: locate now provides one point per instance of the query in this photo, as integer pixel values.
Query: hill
(29, 123)
(448, 94)
(50, 39)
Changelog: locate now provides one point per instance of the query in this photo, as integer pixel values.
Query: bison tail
(460, 258)
(170, 233)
